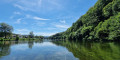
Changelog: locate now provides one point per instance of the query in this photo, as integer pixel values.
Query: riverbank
(14, 39)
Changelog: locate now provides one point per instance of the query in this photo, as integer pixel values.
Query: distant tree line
(31, 35)
(6, 33)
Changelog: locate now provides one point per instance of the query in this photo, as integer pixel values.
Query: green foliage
(110, 29)
(17, 37)
(1, 39)
(39, 37)
(31, 35)
(5, 30)
(116, 6)
(86, 30)
(101, 22)
(107, 10)
(102, 34)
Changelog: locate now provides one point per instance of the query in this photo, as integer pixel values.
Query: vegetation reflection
(5, 45)
(92, 50)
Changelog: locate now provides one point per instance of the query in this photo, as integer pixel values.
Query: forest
(100, 23)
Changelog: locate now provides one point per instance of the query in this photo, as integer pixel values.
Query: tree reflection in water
(83, 51)
(30, 44)
(92, 50)
(4, 48)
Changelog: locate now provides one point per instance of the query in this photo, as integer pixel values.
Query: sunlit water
(58, 50)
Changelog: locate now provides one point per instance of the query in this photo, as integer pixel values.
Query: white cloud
(20, 7)
(37, 23)
(35, 17)
(11, 17)
(22, 31)
(17, 13)
(59, 26)
(18, 21)
(38, 5)
(38, 18)
(51, 28)
(62, 26)
(62, 21)
(45, 33)
(28, 16)
(26, 32)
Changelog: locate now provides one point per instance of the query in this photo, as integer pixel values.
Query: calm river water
(58, 50)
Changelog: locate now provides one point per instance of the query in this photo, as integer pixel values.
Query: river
(58, 50)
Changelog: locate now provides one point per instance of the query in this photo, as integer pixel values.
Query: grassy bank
(14, 39)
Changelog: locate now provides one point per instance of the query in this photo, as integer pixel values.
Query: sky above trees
(43, 17)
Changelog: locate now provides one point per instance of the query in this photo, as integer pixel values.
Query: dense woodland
(101, 22)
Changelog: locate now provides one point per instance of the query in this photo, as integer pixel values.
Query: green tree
(31, 34)
(17, 37)
(5, 29)
(101, 22)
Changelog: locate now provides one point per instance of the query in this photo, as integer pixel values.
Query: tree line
(6, 33)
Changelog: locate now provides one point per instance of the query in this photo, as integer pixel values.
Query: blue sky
(43, 17)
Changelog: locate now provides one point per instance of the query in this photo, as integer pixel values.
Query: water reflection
(92, 51)
(58, 50)
(30, 44)
(33, 50)
(4, 49)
